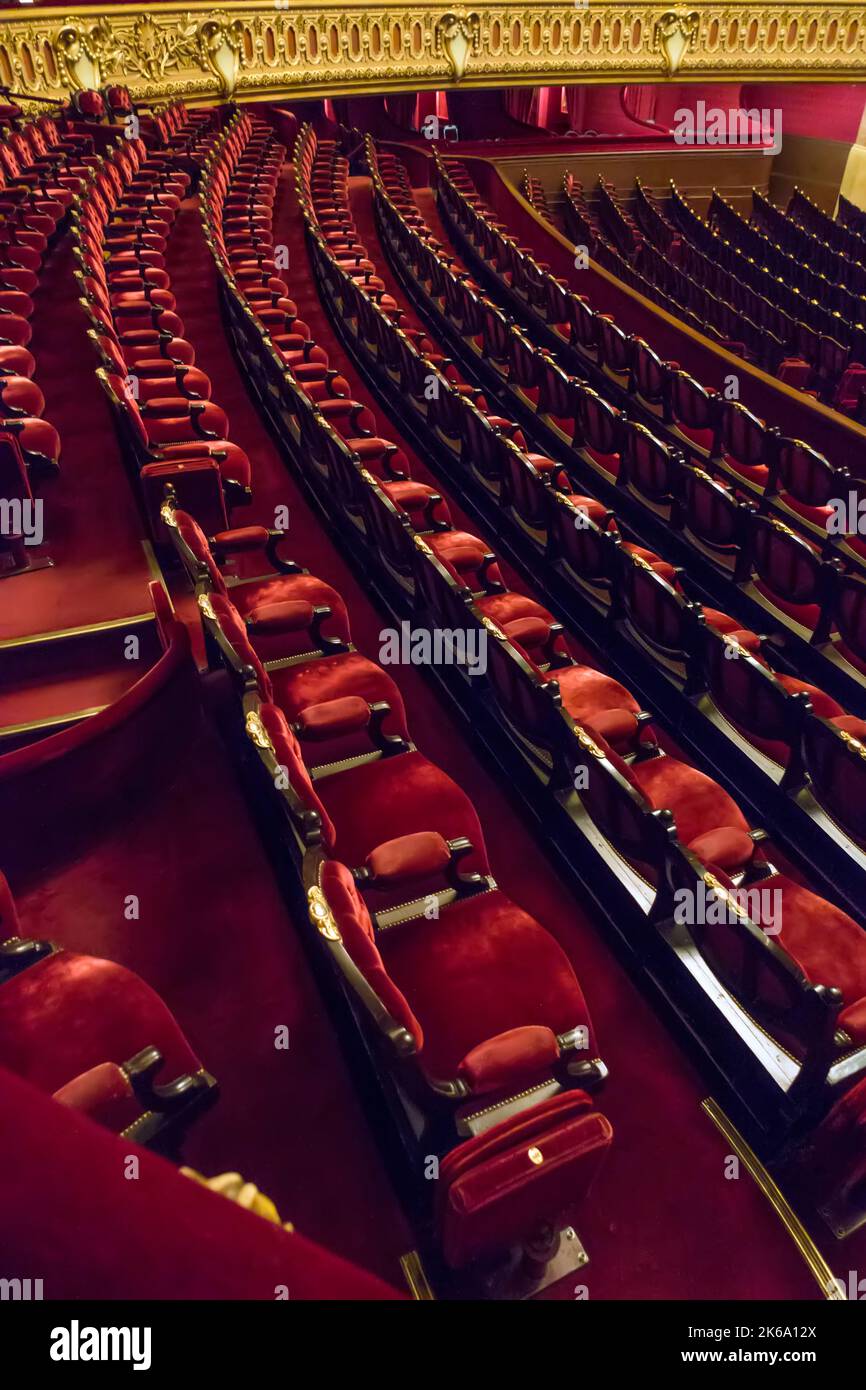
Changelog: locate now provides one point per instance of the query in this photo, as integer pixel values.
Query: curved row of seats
(813, 592)
(802, 312)
(477, 1007)
(671, 272)
(238, 204)
(349, 494)
(647, 592)
(844, 232)
(794, 723)
(797, 286)
(720, 434)
(170, 127)
(700, 277)
(40, 172)
(343, 498)
(373, 819)
(787, 231)
(161, 401)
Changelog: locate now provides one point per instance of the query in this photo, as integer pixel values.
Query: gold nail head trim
(206, 607)
(257, 731)
(535, 1156)
(321, 915)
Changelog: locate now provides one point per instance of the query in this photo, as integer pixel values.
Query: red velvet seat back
(850, 614)
(786, 564)
(805, 473)
(690, 403)
(235, 632)
(196, 540)
(358, 937)
(835, 760)
(742, 435)
(289, 756)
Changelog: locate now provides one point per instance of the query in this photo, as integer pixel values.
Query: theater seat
(488, 997)
(94, 1035)
(374, 801)
(826, 944)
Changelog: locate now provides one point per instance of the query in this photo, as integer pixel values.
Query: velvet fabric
(484, 967)
(358, 938)
(335, 677)
(68, 1013)
(105, 1094)
(698, 803)
(828, 946)
(409, 857)
(495, 1063)
(492, 1195)
(587, 693)
(379, 801)
(92, 1234)
(508, 608)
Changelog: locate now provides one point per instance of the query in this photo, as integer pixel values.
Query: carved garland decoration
(279, 49)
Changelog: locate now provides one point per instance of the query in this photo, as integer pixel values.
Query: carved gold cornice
(251, 49)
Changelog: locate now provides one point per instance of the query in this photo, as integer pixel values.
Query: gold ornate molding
(252, 49)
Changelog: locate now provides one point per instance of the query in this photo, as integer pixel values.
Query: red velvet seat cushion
(829, 947)
(334, 678)
(503, 609)
(484, 968)
(379, 801)
(698, 803)
(292, 588)
(587, 692)
(69, 1013)
(105, 1094)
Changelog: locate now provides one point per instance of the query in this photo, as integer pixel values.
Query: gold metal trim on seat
(829, 1285)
